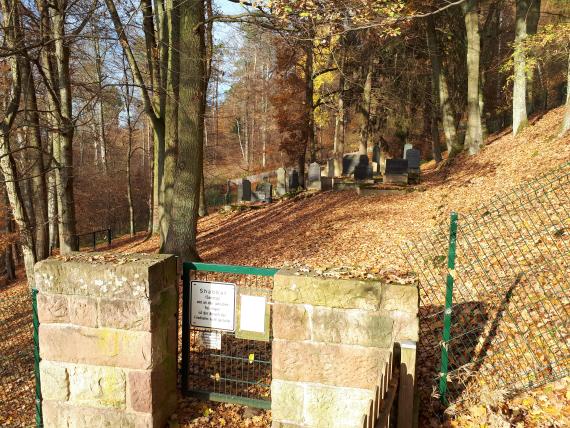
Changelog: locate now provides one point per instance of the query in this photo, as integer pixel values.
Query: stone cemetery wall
(332, 341)
(108, 340)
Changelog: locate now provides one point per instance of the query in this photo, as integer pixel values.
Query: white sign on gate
(213, 305)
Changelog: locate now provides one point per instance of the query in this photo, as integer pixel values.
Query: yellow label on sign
(251, 358)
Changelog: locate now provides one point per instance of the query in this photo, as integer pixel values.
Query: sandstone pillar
(108, 340)
(333, 340)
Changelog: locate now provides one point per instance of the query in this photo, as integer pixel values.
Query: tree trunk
(8, 167)
(151, 185)
(36, 157)
(12, 40)
(101, 111)
(338, 145)
(157, 58)
(440, 91)
(8, 256)
(309, 89)
(181, 239)
(203, 209)
(519, 85)
(301, 166)
(533, 97)
(474, 137)
(64, 154)
(172, 124)
(365, 111)
(566, 120)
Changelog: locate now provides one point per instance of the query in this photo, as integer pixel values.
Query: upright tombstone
(349, 163)
(376, 159)
(263, 192)
(330, 168)
(314, 177)
(396, 171)
(244, 191)
(413, 156)
(294, 180)
(281, 188)
(362, 170)
(268, 192)
(228, 195)
(407, 147)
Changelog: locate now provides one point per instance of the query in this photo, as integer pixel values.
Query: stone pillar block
(107, 339)
(332, 348)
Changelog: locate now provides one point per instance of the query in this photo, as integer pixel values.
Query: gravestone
(349, 163)
(396, 166)
(330, 168)
(281, 182)
(376, 153)
(363, 170)
(294, 180)
(407, 147)
(263, 192)
(228, 195)
(314, 177)
(244, 191)
(413, 156)
(396, 171)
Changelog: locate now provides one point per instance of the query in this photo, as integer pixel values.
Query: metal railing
(107, 237)
(239, 370)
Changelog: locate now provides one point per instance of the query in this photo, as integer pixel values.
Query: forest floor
(365, 233)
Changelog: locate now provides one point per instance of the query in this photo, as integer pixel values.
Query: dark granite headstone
(349, 163)
(245, 190)
(362, 170)
(396, 166)
(413, 156)
(294, 180)
(376, 153)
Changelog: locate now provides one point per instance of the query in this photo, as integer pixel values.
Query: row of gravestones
(405, 170)
(264, 190)
(398, 171)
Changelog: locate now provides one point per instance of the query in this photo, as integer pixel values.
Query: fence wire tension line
(494, 291)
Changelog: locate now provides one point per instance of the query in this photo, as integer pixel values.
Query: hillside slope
(365, 233)
(332, 229)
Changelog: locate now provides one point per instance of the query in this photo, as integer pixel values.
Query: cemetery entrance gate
(226, 333)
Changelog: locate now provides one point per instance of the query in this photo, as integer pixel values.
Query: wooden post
(406, 410)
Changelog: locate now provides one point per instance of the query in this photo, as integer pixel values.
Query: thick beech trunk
(181, 238)
(519, 85)
(474, 135)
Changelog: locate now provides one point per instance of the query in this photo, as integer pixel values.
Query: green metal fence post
(448, 306)
(36, 323)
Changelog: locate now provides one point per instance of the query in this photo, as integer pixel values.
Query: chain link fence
(508, 295)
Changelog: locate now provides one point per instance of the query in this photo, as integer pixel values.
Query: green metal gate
(227, 365)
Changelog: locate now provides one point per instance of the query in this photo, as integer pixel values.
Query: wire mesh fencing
(509, 297)
(226, 365)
